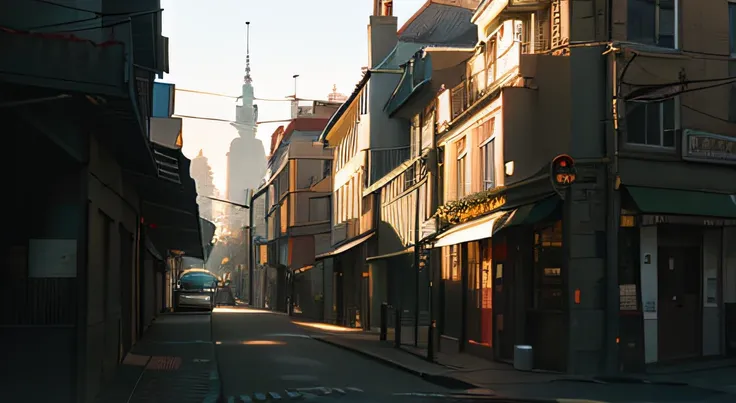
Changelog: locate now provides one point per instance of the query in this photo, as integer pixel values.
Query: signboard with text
(706, 147)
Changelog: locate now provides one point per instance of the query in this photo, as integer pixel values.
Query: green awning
(683, 202)
(533, 213)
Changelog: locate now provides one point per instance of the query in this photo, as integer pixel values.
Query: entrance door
(679, 313)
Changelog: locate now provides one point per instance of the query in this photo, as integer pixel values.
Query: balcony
(495, 8)
(383, 160)
(492, 76)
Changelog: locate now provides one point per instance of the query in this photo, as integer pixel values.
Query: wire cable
(706, 114)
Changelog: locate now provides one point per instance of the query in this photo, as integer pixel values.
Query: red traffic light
(563, 161)
(563, 171)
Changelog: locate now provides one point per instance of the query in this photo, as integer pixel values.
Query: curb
(439, 380)
(215, 390)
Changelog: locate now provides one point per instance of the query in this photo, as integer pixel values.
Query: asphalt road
(260, 353)
(264, 356)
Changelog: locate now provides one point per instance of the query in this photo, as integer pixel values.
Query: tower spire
(247, 77)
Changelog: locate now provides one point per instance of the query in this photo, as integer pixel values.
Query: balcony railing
(383, 161)
(468, 92)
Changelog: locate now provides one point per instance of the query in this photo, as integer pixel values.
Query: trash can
(523, 358)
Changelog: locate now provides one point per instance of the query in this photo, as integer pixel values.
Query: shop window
(548, 259)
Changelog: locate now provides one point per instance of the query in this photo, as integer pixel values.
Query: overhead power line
(229, 121)
(217, 94)
(228, 202)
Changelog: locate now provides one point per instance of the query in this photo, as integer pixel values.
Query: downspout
(611, 342)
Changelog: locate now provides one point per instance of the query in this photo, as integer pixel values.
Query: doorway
(679, 312)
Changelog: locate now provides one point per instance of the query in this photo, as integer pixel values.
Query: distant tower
(335, 96)
(202, 174)
(246, 160)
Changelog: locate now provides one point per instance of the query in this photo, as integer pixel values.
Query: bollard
(397, 329)
(430, 341)
(384, 321)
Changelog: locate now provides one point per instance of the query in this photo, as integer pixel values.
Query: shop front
(682, 273)
(501, 284)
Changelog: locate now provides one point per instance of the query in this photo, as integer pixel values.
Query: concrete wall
(112, 204)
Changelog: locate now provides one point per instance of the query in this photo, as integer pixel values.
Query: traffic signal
(562, 171)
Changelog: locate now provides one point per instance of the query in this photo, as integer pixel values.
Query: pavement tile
(173, 362)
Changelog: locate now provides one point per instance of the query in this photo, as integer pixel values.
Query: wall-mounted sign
(562, 171)
(708, 147)
(560, 26)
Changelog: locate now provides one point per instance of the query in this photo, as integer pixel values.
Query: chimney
(382, 37)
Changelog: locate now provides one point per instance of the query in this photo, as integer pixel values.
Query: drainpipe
(416, 266)
(251, 255)
(612, 106)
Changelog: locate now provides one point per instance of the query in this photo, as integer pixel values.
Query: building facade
(115, 204)
(293, 205)
(564, 256)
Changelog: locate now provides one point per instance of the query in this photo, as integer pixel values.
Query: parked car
(196, 289)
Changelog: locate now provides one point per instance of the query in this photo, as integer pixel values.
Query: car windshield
(198, 281)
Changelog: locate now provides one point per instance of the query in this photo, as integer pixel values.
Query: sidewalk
(464, 371)
(173, 362)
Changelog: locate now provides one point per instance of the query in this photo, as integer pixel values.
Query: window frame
(488, 145)
(657, 24)
(675, 125)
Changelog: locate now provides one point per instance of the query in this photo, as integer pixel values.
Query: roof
(442, 21)
(303, 124)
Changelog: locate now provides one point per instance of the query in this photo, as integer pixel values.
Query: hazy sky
(324, 41)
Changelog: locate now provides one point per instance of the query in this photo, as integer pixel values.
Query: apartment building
(553, 157)
(296, 201)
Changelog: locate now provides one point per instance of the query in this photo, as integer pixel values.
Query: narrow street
(261, 354)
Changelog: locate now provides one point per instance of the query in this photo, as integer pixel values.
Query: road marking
(292, 395)
(274, 396)
(340, 391)
(352, 389)
(260, 396)
(245, 399)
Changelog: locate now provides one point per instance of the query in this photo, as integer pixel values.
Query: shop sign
(708, 147)
(647, 220)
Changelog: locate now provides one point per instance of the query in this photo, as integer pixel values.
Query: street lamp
(295, 76)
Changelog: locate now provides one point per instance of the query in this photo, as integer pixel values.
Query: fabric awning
(169, 205)
(346, 246)
(470, 231)
(532, 213)
(683, 202)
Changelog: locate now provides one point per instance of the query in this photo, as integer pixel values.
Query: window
(461, 176)
(363, 101)
(460, 166)
(326, 168)
(651, 124)
(488, 152)
(416, 136)
(319, 209)
(652, 22)
(489, 173)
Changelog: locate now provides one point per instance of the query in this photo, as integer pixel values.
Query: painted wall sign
(708, 147)
(560, 26)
